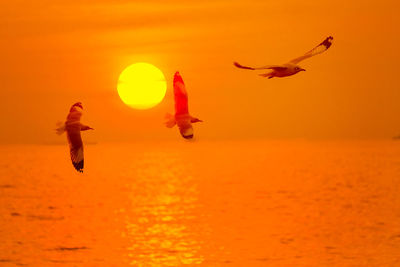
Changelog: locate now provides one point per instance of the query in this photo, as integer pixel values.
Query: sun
(141, 86)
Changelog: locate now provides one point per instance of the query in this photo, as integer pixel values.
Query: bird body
(182, 118)
(284, 70)
(73, 127)
(184, 123)
(292, 67)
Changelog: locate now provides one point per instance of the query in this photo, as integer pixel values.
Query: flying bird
(182, 117)
(73, 127)
(291, 67)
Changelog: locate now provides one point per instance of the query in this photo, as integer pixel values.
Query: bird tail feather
(60, 128)
(170, 120)
(268, 75)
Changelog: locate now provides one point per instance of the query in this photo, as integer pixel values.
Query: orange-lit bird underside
(182, 117)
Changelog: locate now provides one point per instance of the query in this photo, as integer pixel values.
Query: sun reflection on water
(163, 203)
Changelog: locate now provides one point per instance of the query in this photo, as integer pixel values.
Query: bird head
(196, 120)
(298, 69)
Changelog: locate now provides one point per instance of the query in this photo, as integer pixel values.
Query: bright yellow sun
(142, 86)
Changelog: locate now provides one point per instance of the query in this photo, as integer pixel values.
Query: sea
(202, 203)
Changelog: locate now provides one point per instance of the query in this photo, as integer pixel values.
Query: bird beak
(302, 70)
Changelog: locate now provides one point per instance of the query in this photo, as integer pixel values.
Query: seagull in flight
(292, 67)
(182, 117)
(73, 127)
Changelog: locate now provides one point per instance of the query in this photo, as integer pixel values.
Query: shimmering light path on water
(244, 203)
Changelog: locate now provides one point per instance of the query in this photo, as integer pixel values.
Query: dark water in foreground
(283, 203)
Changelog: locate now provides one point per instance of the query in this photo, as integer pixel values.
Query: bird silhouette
(182, 118)
(73, 127)
(292, 67)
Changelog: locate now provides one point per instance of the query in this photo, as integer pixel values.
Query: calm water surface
(239, 203)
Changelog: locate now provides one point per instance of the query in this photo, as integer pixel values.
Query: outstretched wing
(274, 67)
(75, 147)
(73, 128)
(315, 51)
(180, 94)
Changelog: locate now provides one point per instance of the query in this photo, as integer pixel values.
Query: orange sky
(54, 54)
